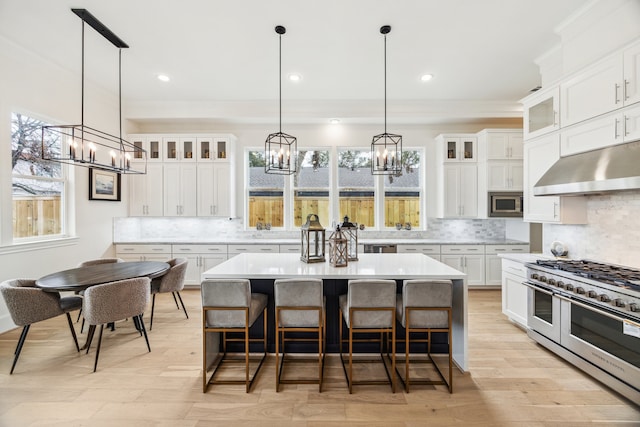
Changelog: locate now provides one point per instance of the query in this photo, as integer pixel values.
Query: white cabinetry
(493, 263)
(539, 155)
(143, 252)
(214, 190)
(501, 144)
(233, 250)
(459, 196)
(149, 143)
(200, 259)
(145, 192)
(180, 181)
(504, 175)
(605, 86)
(541, 112)
(179, 149)
(432, 251)
(514, 293)
(290, 248)
(466, 258)
(458, 148)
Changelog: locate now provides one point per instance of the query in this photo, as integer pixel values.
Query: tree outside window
(356, 186)
(311, 187)
(38, 186)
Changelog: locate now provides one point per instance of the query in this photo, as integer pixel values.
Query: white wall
(32, 86)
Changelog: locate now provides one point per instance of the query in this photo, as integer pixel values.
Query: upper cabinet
(149, 143)
(502, 144)
(458, 148)
(541, 112)
(607, 85)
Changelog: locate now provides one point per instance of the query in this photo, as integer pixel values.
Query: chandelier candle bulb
(113, 158)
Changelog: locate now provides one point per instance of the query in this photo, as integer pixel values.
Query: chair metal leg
(90, 333)
(79, 314)
(183, 307)
(175, 300)
(23, 337)
(153, 306)
(73, 332)
(144, 331)
(95, 365)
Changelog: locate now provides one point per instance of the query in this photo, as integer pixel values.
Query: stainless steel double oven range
(589, 313)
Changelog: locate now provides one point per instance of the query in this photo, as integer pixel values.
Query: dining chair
(114, 301)
(172, 281)
(425, 308)
(300, 312)
(229, 307)
(90, 263)
(369, 307)
(29, 304)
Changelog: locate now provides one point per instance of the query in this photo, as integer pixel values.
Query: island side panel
(460, 333)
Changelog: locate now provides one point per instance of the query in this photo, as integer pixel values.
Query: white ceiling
(222, 55)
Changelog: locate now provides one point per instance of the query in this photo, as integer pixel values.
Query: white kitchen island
(263, 269)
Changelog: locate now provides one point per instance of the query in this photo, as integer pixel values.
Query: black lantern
(338, 249)
(313, 240)
(350, 232)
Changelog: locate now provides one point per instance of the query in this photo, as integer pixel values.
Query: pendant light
(280, 149)
(386, 148)
(82, 145)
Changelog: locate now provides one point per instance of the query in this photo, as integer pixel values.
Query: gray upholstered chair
(300, 308)
(172, 281)
(229, 306)
(94, 262)
(369, 306)
(99, 261)
(28, 304)
(423, 308)
(113, 301)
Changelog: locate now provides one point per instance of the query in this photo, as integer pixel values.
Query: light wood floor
(512, 382)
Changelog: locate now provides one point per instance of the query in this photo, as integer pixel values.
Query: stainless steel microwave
(505, 205)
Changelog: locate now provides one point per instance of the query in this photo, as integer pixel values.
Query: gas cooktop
(614, 275)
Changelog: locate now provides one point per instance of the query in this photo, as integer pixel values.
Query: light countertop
(524, 258)
(289, 241)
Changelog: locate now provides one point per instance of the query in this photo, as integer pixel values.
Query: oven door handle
(538, 289)
(596, 310)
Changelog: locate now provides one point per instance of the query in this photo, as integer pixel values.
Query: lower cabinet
(201, 258)
(466, 258)
(144, 252)
(432, 251)
(514, 293)
(493, 262)
(234, 250)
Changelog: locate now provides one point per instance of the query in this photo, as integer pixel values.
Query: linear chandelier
(82, 145)
(386, 148)
(280, 149)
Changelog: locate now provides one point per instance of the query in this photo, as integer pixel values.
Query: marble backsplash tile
(611, 235)
(171, 228)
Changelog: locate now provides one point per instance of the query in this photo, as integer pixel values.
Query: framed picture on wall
(104, 185)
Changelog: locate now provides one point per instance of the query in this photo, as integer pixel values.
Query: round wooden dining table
(78, 279)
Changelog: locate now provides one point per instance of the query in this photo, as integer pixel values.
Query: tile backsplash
(611, 235)
(203, 229)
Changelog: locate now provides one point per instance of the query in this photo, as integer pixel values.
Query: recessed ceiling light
(334, 121)
(294, 77)
(163, 77)
(426, 77)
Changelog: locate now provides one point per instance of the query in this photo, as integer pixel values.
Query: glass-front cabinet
(149, 143)
(460, 149)
(541, 112)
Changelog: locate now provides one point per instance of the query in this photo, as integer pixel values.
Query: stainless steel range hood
(613, 168)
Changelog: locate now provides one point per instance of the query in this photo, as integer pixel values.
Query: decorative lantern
(313, 240)
(338, 249)
(350, 232)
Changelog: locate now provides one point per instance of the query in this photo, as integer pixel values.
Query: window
(356, 186)
(402, 194)
(38, 186)
(265, 194)
(311, 187)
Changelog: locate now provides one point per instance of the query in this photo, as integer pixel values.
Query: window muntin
(356, 186)
(402, 193)
(38, 186)
(311, 187)
(265, 193)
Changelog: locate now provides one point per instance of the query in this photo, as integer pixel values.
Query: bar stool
(300, 309)
(369, 306)
(228, 306)
(425, 307)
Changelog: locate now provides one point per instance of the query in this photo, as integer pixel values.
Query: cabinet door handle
(624, 90)
(555, 118)
(617, 86)
(555, 210)
(615, 129)
(624, 126)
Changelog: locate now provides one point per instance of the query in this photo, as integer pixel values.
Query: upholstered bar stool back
(369, 306)
(300, 308)
(28, 304)
(425, 307)
(229, 306)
